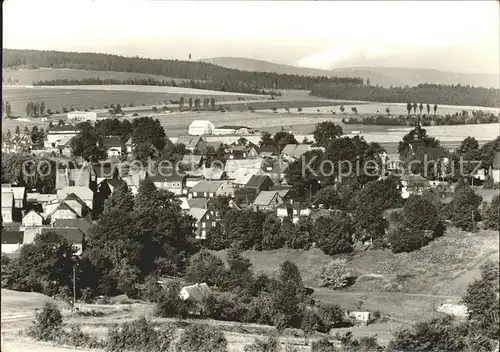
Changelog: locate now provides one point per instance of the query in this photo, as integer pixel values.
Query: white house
(80, 116)
(196, 292)
(200, 127)
(11, 241)
(56, 134)
(495, 172)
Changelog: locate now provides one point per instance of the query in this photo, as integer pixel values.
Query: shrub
(420, 214)
(48, 323)
(152, 290)
(77, 338)
(270, 344)
(404, 240)
(323, 345)
(335, 275)
(90, 313)
(201, 338)
(140, 335)
(171, 304)
(332, 315)
(490, 214)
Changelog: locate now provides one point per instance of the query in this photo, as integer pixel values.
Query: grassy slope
(28, 76)
(409, 286)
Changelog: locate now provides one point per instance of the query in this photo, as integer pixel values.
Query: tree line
(35, 109)
(198, 71)
(238, 87)
(435, 93)
(464, 118)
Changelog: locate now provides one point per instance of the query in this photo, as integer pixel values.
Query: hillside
(383, 76)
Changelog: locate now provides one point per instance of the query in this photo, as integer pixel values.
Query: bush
(171, 304)
(490, 214)
(404, 240)
(152, 290)
(140, 335)
(77, 338)
(323, 345)
(335, 275)
(332, 315)
(48, 323)
(201, 338)
(90, 313)
(420, 214)
(271, 344)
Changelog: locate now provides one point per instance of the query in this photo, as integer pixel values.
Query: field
(28, 76)
(406, 286)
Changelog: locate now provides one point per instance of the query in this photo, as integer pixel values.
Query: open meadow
(29, 76)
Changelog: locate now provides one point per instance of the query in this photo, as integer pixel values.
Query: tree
(266, 140)
(403, 239)
(281, 139)
(121, 199)
(270, 344)
(482, 300)
(212, 103)
(45, 265)
(435, 108)
(416, 137)
(420, 108)
(201, 338)
(408, 108)
(464, 207)
(272, 238)
(335, 275)
(287, 297)
(217, 239)
(148, 130)
(490, 215)
(420, 214)
(181, 103)
(428, 109)
(190, 103)
(325, 132)
(415, 108)
(18, 130)
(333, 234)
(387, 110)
(88, 144)
(471, 156)
(48, 323)
(205, 267)
(328, 197)
(299, 110)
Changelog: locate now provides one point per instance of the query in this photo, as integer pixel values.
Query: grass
(18, 303)
(28, 76)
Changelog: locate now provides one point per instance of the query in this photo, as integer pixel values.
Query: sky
(461, 36)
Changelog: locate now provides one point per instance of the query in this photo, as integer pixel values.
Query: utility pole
(473, 222)
(74, 289)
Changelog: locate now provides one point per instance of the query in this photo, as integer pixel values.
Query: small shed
(197, 292)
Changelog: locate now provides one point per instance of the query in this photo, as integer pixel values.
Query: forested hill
(422, 93)
(170, 68)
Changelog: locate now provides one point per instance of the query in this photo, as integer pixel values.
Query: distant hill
(382, 76)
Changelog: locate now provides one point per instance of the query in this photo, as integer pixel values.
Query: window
(203, 234)
(203, 225)
(213, 223)
(195, 194)
(205, 194)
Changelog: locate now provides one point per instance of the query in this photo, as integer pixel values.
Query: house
(44, 199)
(245, 196)
(295, 151)
(113, 146)
(267, 200)
(84, 193)
(293, 211)
(192, 161)
(192, 181)
(74, 176)
(81, 223)
(11, 241)
(81, 116)
(275, 168)
(129, 146)
(203, 146)
(213, 173)
(58, 133)
(113, 183)
(259, 183)
(62, 211)
(19, 143)
(495, 172)
(242, 176)
(458, 310)
(134, 179)
(413, 184)
(64, 146)
(7, 206)
(192, 143)
(200, 127)
(185, 204)
(201, 203)
(19, 194)
(204, 220)
(73, 235)
(283, 191)
(210, 189)
(233, 165)
(268, 151)
(32, 224)
(76, 204)
(360, 318)
(196, 292)
(175, 182)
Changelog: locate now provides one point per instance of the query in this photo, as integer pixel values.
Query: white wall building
(80, 116)
(200, 127)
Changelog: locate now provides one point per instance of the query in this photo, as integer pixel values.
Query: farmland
(28, 76)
